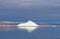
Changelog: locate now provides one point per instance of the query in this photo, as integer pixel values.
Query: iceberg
(29, 25)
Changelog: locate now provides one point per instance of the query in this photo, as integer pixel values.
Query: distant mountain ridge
(7, 25)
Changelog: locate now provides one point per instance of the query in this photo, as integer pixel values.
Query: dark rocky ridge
(4, 25)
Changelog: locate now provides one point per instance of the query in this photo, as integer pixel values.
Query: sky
(30, 9)
(17, 4)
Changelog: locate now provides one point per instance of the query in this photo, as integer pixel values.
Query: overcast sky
(17, 4)
(30, 9)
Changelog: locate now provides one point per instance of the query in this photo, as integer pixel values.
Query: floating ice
(30, 26)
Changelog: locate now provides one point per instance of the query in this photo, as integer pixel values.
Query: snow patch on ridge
(30, 26)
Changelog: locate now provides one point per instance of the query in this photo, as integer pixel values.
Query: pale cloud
(28, 3)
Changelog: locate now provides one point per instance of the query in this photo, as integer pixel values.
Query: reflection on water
(8, 27)
(39, 33)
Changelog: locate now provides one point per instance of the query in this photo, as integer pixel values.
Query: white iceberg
(30, 26)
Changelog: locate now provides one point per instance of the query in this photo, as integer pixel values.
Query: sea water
(39, 33)
(21, 16)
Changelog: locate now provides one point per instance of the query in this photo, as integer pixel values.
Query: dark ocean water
(43, 33)
(36, 16)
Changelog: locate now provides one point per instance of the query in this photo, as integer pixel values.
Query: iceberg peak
(29, 25)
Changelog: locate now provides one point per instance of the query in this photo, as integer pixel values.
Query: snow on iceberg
(30, 26)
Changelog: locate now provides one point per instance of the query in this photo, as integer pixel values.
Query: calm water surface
(39, 33)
